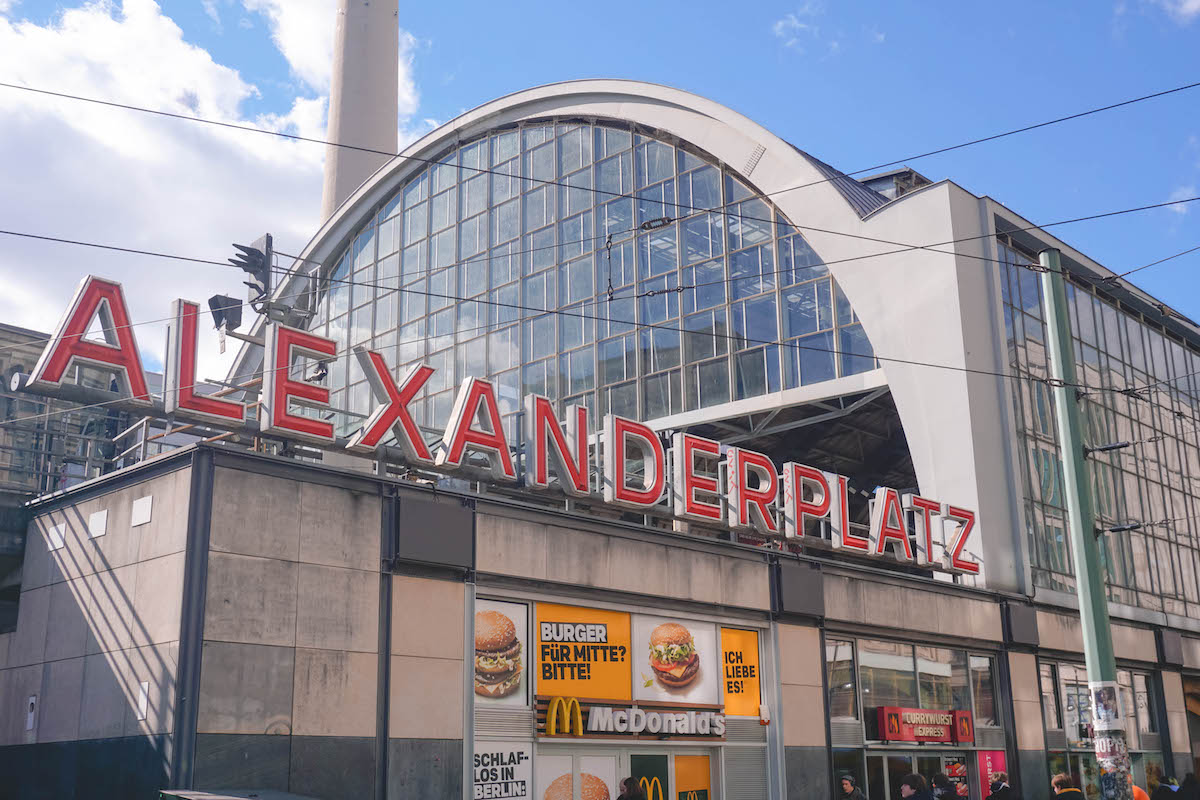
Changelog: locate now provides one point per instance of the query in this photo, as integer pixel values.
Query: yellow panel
(740, 672)
(692, 776)
(595, 668)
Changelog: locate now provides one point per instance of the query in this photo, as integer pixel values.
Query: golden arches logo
(652, 787)
(692, 795)
(572, 716)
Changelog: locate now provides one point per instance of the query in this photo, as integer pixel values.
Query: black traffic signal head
(256, 260)
(226, 312)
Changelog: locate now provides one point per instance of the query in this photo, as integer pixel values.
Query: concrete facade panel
(5, 646)
(1030, 733)
(424, 768)
(16, 686)
(1061, 630)
(67, 632)
(337, 609)
(105, 699)
(246, 688)
(250, 600)
(339, 528)
(166, 532)
(334, 693)
(699, 572)
(332, 766)
(245, 760)
(426, 698)
(966, 616)
(1134, 643)
(505, 546)
(800, 658)
(61, 697)
(158, 600)
(255, 515)
(29, 643)
(110, 608)
(803, 716)
(745, 583)
(155, 665)
(1023, 673)
(582, 558)
(1191, 652)
(427, 617)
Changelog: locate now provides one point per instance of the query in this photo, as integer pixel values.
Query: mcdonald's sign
(694, 794)
(571, 717)
(652, 787)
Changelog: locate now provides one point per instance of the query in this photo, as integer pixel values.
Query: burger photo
(591, 788)
(497, 655)
(673, 655)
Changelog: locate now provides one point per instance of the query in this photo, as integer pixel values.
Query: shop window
(887, 676)
(942, 675)
(983, 689)
(839, 676)
(1050, 714)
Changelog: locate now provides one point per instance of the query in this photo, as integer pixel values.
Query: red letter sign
(118, 352)
(839, 520)
(751, 508)
(393, 415)
(283, 345)
(619, 434)
(475, 423)
(923, 511)
(546, 442)
(967, 524)
(179, 392)
(887, 525)
(688, 482)
(797, 510)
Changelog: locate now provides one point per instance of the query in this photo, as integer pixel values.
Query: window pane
(984, 689)
(942, 674)
(887, 676)
(839, 672)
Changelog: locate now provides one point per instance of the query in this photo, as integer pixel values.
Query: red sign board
(925, 725)
(990, 763)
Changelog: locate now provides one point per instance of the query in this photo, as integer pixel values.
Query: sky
(854, 83)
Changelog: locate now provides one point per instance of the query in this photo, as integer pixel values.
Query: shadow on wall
(92, 663)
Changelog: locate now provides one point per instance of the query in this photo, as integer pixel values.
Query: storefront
(569, 700)
(1066, 710)
(899, 707)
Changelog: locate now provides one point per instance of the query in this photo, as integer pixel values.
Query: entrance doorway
(886, 771)
(577, 773)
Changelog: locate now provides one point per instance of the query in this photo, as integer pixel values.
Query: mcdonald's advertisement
(583, 652)
(596, 778)
(740, 672)
(503, 770)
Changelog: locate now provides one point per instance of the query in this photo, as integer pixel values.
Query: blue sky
(854, 83)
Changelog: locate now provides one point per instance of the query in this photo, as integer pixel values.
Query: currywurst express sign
(702, 481)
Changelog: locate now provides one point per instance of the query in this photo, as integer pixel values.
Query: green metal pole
(1108, 715)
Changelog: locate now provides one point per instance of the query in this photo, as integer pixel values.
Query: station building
(249, 613)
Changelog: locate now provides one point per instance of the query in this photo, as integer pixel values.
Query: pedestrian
(631, 790)
(943, 789)
(1064, 787)
(1189, 789)
(999, 788)
(850, 790)
(913, 787)
(1167, 787)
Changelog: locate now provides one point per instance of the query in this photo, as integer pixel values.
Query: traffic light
(256, 260)
(226, 312)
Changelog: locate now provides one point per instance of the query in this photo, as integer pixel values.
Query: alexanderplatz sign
(729, 487)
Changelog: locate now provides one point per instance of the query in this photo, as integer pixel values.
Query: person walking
(913, 787)
(943, 789)
(631, 790)
(849, 789)
(1064, 787)
(1189, 789)
(999, 788)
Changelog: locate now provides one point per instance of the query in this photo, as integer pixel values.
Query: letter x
(393, 414)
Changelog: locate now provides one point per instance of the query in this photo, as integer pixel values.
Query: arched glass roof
(465, 271)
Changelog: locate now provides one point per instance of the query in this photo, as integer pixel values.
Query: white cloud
(1182, 193)
(8, 5)
(789, 29)
(119, 177)
(210, 8)
(1182, 11)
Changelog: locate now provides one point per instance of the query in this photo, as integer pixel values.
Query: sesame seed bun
(670, 633)
(493, 631)
(591, 788)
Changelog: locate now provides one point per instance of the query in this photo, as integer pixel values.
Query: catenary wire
(483, 170)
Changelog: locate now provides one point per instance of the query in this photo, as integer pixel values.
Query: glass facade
(1154, 482)
(722, 289)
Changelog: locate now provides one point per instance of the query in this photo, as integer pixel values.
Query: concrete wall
(801, 667)
(1063, 632)
(289, 668)
(601, 558)
(907, 607)
(97, 641)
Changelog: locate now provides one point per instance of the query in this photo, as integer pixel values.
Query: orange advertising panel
(582, 652)
(692, 778)
(740, 673)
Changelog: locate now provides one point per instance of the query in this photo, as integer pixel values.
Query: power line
(1114, 278)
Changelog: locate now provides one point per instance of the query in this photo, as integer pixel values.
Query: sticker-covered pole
(1108, 719)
